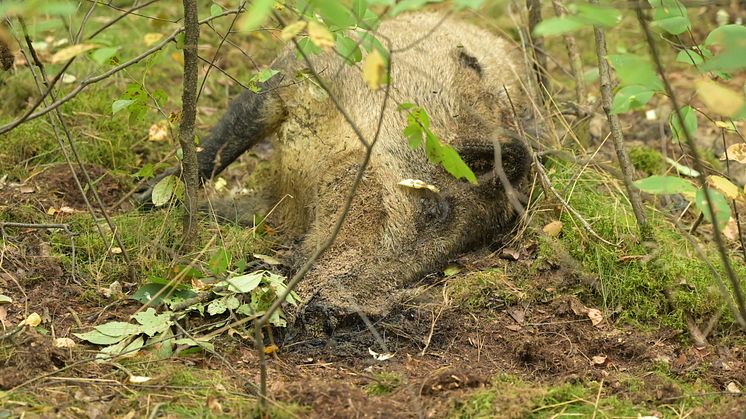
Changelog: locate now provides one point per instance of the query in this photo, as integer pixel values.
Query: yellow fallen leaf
(71, 51)
(293, 29)
(270, 349)
(418, 184)
(33, 320)
(553, 229)
(151, 38)
(374, 69)
(723, 185)
(736, 152)
(320, 35)
(158, 131)
(719, 99)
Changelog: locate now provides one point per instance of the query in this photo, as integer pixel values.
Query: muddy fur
(393, 235)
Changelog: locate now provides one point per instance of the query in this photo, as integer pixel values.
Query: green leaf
(681, 169)
(407, 5)
(689, 56)
(453, 163)
(731, 40)
(335, 14)
(256, 15)
(468, 4)
(671, 16)
(146, 294)
(121, 104)
(413, 132)
(719, 203)
(164, 190)
(602, 16)
(634, 69)
(198, 343)
(245, 283)
(665, 185)
(103, 55)
(631, 97)
(216, 307)
(559, 26)
(690, 123)
(163, 344)
(4, 299)
(308, 47)
(152, 322)
(215, 9)
(219, 262)
(98, 338)
(118, 329)
(348, 49)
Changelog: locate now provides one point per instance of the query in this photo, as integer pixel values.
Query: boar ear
(514, 158)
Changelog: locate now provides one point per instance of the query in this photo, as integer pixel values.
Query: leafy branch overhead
(713, 62)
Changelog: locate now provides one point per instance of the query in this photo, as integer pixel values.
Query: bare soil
(442, 353)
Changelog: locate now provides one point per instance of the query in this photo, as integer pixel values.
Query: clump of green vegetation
(655, 284)
(647, 160)
(383, 383)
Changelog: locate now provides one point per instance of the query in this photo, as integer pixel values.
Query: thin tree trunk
(188, 115)
(616, 134)
(537, 45)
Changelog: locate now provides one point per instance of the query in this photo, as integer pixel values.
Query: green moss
(647, 160)
(383, 383)
(650, 286)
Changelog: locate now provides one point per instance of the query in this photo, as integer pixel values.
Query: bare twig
(740, 314)
(79, 162)
(616, 134)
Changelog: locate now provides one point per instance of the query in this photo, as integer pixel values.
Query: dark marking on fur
(470, 61)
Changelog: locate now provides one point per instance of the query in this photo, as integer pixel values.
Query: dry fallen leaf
(380, 357)
(599, 359)
(214, 405)
(139, 379)
(26, 189)
(269, 260)
(733, 388)
(595, 315)
(270, 349)
(553, 229)
(63, 343)
(71, 51)
(736, 152)
(730, 231)
(510, 254)
(418, 184)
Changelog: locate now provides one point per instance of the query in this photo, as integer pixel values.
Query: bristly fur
(393, 235)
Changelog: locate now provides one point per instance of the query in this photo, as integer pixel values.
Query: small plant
(383, 383)
(245, 296)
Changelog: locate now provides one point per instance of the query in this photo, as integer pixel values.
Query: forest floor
(551, 324)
